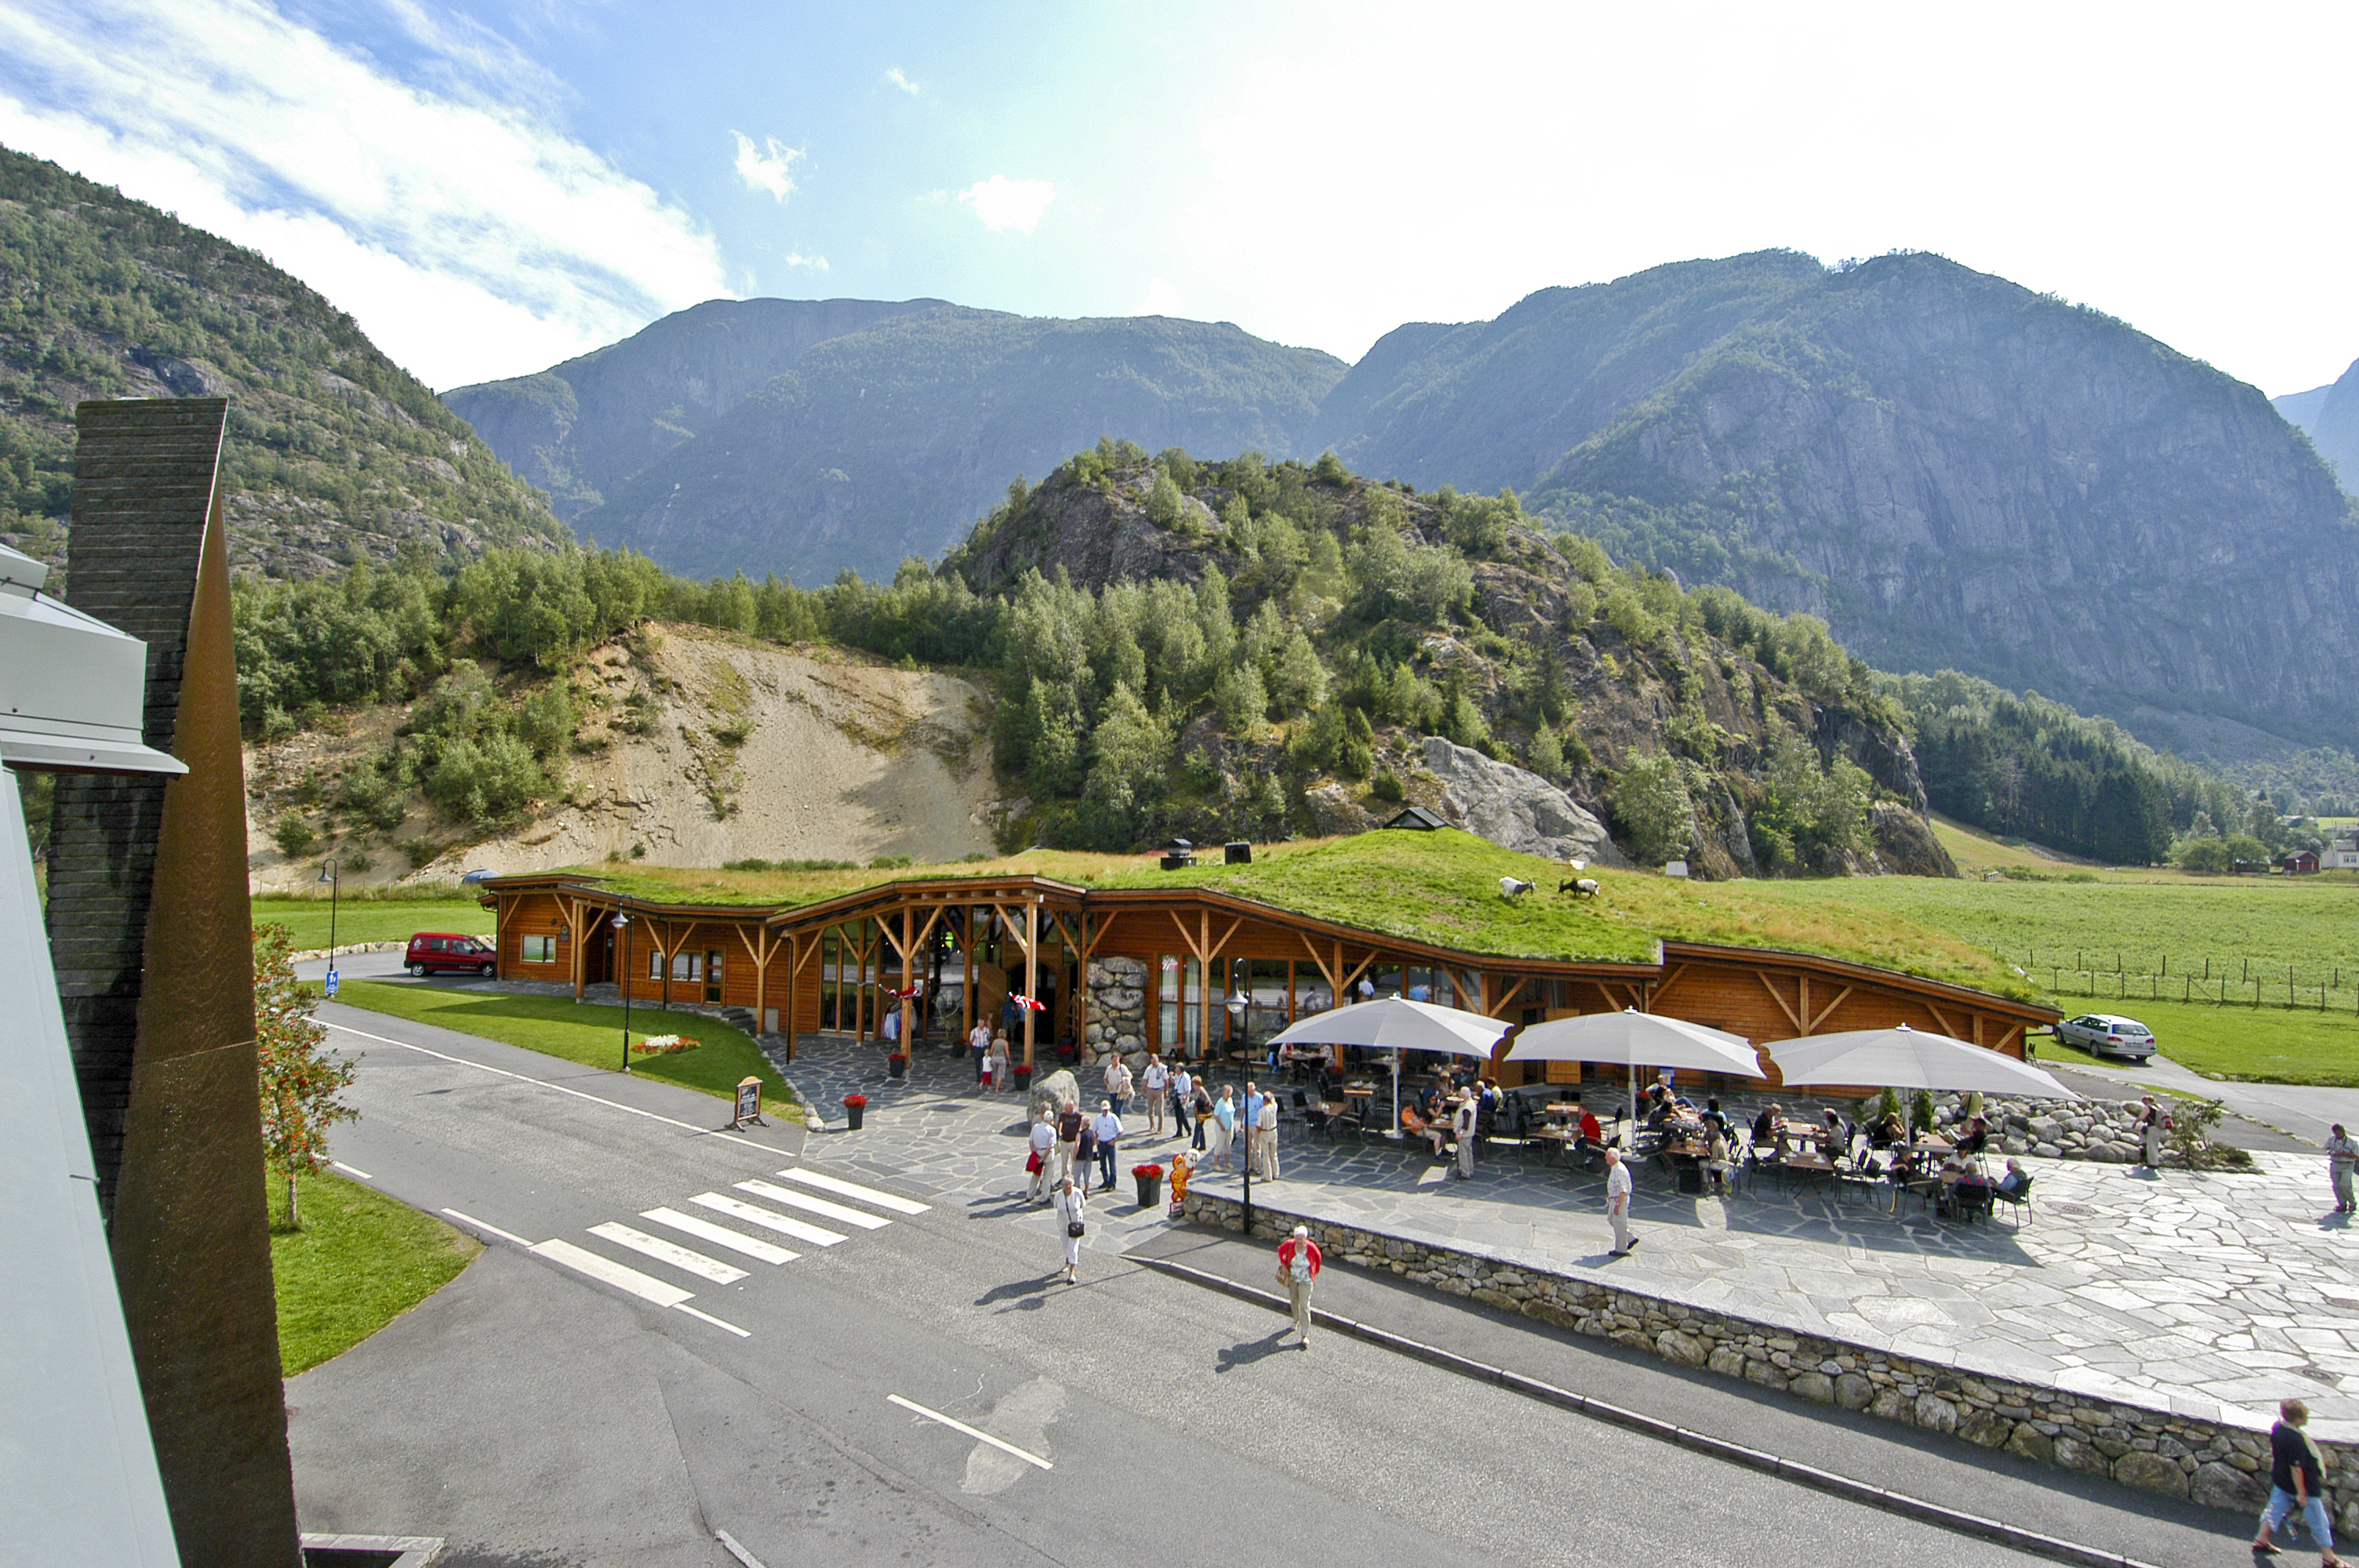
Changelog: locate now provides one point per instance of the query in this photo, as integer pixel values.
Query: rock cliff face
(1515, 807)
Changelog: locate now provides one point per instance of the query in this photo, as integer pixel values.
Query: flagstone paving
(2201, 1289)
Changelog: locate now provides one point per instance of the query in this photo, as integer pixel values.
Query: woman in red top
(1298, 1270)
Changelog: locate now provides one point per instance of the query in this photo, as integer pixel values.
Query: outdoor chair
(1314, 1118)
(2018, 1200)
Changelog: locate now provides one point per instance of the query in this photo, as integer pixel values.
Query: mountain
(2334, 429)
(334, 453)
(2300, 409)
(579, 428)
(888, 441)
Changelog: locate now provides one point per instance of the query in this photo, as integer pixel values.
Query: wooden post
(966, 950)
(1031, 972)
(909, 961)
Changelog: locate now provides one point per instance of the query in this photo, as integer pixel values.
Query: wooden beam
(1948, 1028)
(1031, 974)
(1825, 1012)
(2014, 1034)
(1792, 1016)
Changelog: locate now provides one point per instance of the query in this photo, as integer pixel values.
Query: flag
(1025, 1002)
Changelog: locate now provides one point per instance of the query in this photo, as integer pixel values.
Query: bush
(2209, 856)
(1651, 806)
(293, 835)
(1387, 788)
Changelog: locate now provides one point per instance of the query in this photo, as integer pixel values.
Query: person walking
(1001, 1078)
(1266, 1137)
(1073, 1209)
(1298, 1270)
(1250, 1119)
(2341, 1155)
(1183, 1097)
(1463, 1122)
(1155, 1087)
(1224, 1128)
(2149, 1131)
(1069, 1122)
(1109, 1135)
(2296, 1480)
(1618, 1186)
(1201, 1106)
(982, 1070)
(1044, 1153)
(978, 1043)
(1118, 1084)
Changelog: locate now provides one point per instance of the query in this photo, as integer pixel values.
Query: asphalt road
(536, 1415)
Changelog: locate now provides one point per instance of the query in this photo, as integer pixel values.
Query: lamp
(1235, 1003)
(330, 875)
(622, 922)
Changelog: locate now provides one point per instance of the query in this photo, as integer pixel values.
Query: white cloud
(469, 237)
(772, 171)
(1002, 203)
(796, 258)
(1161, 300)
(893, 74)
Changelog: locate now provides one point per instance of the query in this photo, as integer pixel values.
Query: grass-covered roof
(1439, 887)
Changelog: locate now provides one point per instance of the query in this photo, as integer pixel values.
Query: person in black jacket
(2297, 1479)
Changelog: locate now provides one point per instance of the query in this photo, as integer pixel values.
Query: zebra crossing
(848, 1204)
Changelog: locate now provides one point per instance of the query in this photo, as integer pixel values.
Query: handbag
(1032, 1162)
(1073, 1228)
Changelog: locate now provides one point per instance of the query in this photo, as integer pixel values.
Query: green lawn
(372, 919)
(591, 1036)
(360, 1261)
(2265, 1045)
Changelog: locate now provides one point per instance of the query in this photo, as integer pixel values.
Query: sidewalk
(1994, 1486)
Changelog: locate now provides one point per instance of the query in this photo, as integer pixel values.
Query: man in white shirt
(1118, 1082)
(1461, 1126)
(1184, 1095)
(979, 1042)
(1618, 1186)
(1155, 1085)
(1109, 1131)
(1044, 1153)
(1269, 1138)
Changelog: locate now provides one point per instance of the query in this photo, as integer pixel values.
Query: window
(687, 965)
(540, 950)
(655, 963)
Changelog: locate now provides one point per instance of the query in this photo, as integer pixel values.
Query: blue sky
(490, 187)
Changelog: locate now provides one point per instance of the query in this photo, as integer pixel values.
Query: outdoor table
(1810, 1165)
(1553, 1141)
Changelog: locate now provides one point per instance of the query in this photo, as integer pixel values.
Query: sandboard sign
(749, 1103)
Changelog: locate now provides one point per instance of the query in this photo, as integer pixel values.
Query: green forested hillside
(334, 453)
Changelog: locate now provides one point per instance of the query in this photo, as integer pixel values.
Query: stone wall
(1117, 1009)
(2212, 1460)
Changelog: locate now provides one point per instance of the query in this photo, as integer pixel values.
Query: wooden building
(1218, 970)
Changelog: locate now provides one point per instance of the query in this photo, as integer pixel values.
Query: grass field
(360, 1261)
(587, 1035)
(372, 919)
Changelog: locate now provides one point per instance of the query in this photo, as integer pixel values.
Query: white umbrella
(1634, 1039)
(1905, 1058)
(1395, 1024)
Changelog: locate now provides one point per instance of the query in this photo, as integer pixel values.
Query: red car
(445, 952)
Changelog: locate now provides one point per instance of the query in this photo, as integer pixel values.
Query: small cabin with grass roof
(1121, 955)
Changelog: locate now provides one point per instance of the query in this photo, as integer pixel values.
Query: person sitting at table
(1975, 1138)
(1765, 1125)
(1417, 1126)
(2015, 1178)
(1886, 1130)
(1833, 1140)
(1718, 1158)
(1436, 1108)
(1715, 1118)
(1969, 1192)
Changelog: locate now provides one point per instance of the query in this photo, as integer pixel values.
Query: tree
(1652, 807)
(1546, 755)
(299, 1081)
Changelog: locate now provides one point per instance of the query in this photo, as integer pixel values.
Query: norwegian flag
(1029, 1002)
(904, 996)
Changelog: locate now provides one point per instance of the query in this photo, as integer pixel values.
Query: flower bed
(664, 1045)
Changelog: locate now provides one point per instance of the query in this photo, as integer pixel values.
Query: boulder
(1057, 1090)
(2220, 1486)
(1935, 1413)
(1515, 807)
(1854, 1392)
(1905, 845)
(1334, 813)
(1676, 1345)
(2152, 1473)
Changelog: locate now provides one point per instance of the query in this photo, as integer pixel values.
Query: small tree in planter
(855, 1108)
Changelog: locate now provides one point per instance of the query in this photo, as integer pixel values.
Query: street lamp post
(622, 922)
(1237, 1006)
(334, 878)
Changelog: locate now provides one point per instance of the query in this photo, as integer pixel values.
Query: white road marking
(607, 1273)
(670, 1252)
(348, 1171)
(852, 1190)
(1433, 1175)
(560, 1088)
(762, 1217)
(720, 1235)
(739, 1553)
(708, 1318)
(970, 1432)
(494, 1229)
(810, 1205)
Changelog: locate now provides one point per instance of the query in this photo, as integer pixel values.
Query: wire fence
(2236, 982)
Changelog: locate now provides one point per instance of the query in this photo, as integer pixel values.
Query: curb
(1953, 1519)
(308, 954)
